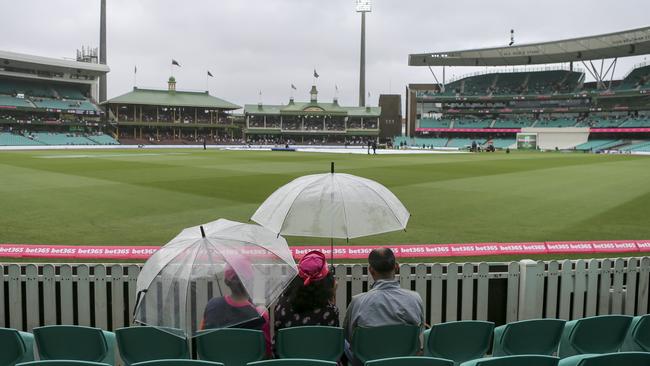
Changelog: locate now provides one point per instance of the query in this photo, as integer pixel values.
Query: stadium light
(363, 7)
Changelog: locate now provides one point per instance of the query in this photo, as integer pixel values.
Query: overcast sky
(267, 45)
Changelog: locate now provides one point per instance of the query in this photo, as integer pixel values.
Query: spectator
(310, 298)
(236, 310)
(386, 303)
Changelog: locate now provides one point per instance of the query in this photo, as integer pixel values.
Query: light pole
(363, 7)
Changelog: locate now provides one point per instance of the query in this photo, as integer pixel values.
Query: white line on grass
(81, 156)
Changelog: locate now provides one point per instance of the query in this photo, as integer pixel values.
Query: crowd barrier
(103, 295)
(345, 251)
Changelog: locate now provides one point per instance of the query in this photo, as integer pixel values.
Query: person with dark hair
(310, 298)
(236, 310)
(386, 303)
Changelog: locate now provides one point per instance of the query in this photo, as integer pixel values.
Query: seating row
(460, 342)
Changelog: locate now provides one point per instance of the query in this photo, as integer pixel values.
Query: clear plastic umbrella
(213, 276)
(332, 205)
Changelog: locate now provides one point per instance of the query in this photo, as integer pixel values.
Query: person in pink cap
(310, 297)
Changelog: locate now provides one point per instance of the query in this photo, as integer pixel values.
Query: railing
(100, 295)
(515, 69)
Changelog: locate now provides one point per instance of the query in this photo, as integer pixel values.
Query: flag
(336, 87)
(174, 62)
(135, 69)
(368, 94)
(293, 87)
(210, 74)
(316, 74)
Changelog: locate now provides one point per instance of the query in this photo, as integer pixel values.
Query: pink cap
(238, 266)
(313, 267)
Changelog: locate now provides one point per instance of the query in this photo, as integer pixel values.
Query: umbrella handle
(137, 302)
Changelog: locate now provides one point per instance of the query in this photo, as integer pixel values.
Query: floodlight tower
(363, 7)
(102, 50)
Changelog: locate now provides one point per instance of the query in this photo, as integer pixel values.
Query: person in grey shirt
(386, 303)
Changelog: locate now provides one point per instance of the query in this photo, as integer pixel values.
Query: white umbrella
(177, 281)
(332, 205)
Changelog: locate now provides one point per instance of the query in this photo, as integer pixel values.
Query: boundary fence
(103, 295)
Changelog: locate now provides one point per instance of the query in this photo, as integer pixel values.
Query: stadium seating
(411, 361)
(595, 145)
(478, 85)
(528, 337)
(61, 139)
(637, 78)
(520, 360)
(69, 342)
(638, 335)
(139, 344)
(292, 362)
(513, 123)
(434, 123)
(63, 363)
(314, 342)
(510, 83)
(103, 139)
(637, 146)
(598, 334)
(17, 347)
(32, 88)
(69, 92)
(10, 101)
(610, 359)
(182, 362)
(461, 142)
(385, 342)
(472, 123)
(12, 139)
(458, 341)
(230, 346)
(560, 122)
(636, 122)
(64, 104)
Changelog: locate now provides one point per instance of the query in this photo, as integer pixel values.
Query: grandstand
(313, 122)
(541, 100)
(46, 101)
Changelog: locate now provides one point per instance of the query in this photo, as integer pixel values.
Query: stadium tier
(53, 138)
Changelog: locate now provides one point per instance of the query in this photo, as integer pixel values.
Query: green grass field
(145, 197)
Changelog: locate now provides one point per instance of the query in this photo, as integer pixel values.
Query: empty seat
(17, 347)
(385, 342)
(528, 337)
(458, 341)
(182, 362)
(292, 362)
(411, 361)
(519, 360)
(70, 342)
(638, 335)
(139, 344)
(598, 334)
(312, 342)
(232, 347)
(63, 363)
(608, 359)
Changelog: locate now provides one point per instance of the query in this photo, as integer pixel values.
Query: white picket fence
(100, 295)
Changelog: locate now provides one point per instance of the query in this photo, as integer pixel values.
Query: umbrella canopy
(209, 264)
(332, 205)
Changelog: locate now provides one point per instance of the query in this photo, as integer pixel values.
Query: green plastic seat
(385, 342)
(518, 360)
(17, 347)
(311, 342)
(62, 363)
(180, 362)
(71, 342)
(232, 347)
(528, 337)
(597, 335)
(458, 341)
(608, 359)
(638, 335)
(139, 344)
(411, 361)
(292, 362)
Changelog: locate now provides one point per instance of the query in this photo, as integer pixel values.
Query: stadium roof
(633, 42)
(20, 60)
(172, 99)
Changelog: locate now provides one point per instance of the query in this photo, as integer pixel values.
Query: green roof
(172, 99)
(294, 108)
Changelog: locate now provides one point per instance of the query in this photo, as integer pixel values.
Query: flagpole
(135, 77)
